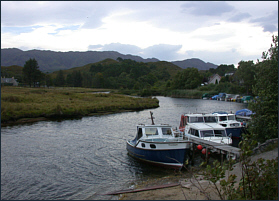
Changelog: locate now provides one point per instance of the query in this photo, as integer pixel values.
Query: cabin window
(207, 133)
(220, 133)
(209, 119)
(151, 131)
(139, 133)
(231, 117)
(197, 133)
(142, 145)
(153, 146)
(166, 131)
(223, 118)
(196, 119)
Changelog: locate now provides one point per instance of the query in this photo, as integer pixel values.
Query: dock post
(222, 158)
(206, 155)
(193, 154)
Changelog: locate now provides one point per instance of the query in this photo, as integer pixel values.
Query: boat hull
(236, 132)
(171, 157)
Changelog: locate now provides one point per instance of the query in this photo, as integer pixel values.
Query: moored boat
(160, 145)
(233, 127)
(205, 127)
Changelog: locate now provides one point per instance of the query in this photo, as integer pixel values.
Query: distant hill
(196, 63)
(50, 61)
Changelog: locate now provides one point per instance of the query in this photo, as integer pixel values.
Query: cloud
(268, 22)
(162, 51)
(121, 48)
(208, 8)
(239, 17)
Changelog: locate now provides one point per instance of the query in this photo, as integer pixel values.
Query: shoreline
(27, 105)
(26, 120)
(189, 188)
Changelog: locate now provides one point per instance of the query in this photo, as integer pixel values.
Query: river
(85, 158)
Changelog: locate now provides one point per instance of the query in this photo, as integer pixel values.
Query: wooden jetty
(223, 149)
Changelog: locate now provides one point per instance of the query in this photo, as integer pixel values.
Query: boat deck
(229, 150)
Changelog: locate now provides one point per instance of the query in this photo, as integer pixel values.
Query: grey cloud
(24, 13)
(225, 57)
(209, 8)
(162, 51)
(239, 17)
(121, 48)
(269, 22)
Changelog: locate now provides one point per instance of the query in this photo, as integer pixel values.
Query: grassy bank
(18, 103)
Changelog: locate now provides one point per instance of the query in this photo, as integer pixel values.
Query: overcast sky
(220, 32)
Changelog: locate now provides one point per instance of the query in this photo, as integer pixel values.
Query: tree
(31, 72)
(60, 80)
(265, 120)
(189, 78)
(245, 73)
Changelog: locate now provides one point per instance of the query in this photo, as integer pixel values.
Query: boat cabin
(215, 133)
(227, 120)
(155, 132)
(196, 118)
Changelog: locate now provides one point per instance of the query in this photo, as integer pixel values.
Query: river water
(85, 158)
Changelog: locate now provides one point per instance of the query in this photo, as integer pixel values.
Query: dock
(223, 149)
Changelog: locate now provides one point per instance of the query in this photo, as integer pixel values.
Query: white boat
(203, 126)
(160, 145)
(233, 127)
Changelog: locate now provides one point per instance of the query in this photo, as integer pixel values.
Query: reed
(17, 103)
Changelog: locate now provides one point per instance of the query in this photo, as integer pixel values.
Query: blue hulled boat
(160, 145)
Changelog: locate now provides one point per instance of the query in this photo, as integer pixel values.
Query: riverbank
(23, 105)
(189, 187)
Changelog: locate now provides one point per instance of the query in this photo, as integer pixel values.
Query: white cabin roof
(205, 126)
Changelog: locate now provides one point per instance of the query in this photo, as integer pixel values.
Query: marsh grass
(17, 103)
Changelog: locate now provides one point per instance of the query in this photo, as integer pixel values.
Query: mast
(152, 118)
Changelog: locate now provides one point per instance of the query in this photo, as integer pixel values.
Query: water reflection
(85, 158)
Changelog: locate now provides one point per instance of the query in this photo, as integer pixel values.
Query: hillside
(196, 63)
(50, 61)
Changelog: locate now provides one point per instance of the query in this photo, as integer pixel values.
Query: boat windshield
(207, 133)
(232, 117)
(151, 131)
(196, 120)
(223, 118)
(210, 119)
(220, 133)
(166, 131)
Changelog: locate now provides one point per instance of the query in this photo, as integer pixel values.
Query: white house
(9, 81)
(214, 79)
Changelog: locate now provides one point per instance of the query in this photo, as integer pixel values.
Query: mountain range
(50, 61)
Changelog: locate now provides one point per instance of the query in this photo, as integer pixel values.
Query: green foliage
(189, 78)
(31, 72)
(246, 74)
(223, 69)
(265, 121)
(259, 180)
(60, 80)
(12, 71)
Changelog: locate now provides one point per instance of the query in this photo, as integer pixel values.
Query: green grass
(17, 103)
